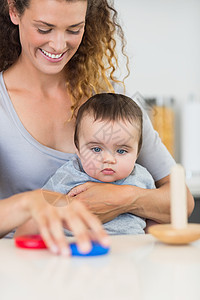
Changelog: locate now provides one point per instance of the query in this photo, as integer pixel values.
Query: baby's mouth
(108, 171)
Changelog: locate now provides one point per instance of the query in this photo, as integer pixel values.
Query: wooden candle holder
(170, 235)
(179, 232)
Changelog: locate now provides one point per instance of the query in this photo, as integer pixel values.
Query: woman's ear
(14, 16)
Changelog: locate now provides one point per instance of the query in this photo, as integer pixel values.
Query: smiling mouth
(50, 55)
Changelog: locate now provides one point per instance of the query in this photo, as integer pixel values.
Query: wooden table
(137, 268)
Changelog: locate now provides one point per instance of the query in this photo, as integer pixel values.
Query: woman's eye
(74, 32)
(44, 31)
(121, 151)
(96, 149)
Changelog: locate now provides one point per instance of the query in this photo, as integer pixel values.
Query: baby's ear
(14, 15)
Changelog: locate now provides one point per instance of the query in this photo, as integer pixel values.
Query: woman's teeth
(51, 55)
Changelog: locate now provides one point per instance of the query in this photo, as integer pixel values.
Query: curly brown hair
(93, 66)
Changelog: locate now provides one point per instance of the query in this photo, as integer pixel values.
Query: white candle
(178, 197)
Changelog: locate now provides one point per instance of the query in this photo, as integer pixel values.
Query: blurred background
(163, 44)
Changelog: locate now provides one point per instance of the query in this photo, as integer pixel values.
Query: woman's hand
(50, 221)
(107, 201)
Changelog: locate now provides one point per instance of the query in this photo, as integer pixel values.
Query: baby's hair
(110, 107)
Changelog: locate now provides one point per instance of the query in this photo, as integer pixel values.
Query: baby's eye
(121, 151)
(96, 149)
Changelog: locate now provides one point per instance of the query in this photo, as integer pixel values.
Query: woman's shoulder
(3, 90)
(153, 155)
(2, 85)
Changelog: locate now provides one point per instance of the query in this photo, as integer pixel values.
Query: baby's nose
(109, 158)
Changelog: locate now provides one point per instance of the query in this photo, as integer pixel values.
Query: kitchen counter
(137, 268)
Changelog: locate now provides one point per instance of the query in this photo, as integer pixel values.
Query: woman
(54, 54)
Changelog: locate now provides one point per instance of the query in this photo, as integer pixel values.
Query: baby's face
(108, 150)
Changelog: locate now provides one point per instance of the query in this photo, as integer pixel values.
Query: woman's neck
(30, 78)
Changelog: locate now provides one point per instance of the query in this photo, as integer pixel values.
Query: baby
(108, 138)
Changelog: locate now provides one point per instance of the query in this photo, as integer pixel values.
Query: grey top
(71, 174)
(25, 164)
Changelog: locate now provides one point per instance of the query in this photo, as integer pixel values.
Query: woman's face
(50, 33)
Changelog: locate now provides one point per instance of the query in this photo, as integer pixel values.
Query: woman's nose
(58, 42)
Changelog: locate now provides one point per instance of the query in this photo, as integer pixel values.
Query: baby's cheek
(125, 169)
(91, 168)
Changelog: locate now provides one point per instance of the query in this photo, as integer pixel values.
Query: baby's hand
(77, 190)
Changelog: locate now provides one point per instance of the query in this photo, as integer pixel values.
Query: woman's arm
(108, 201)
(155, 204)
(53, 198)
(20, 208)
